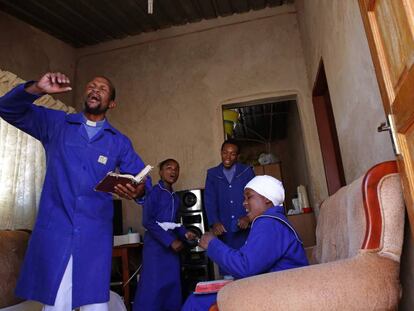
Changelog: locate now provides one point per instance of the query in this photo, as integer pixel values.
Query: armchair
(355, 261)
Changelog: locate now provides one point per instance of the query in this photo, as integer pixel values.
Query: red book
(112, 179)
(210, 287)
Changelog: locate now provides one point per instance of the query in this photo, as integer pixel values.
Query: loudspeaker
(117, 220)
(190, 200)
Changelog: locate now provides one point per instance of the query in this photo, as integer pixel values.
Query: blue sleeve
(149, 221)
(265, 246)
(210, 201)
(180, 232)
(251, 173)
(17, 108)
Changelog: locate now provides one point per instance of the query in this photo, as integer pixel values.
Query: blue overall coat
(223, 201)
(72, 219)
(272, 245)
(159, 287)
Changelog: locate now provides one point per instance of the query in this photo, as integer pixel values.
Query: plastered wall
(172, 84)
(28, 53)
(333, 30)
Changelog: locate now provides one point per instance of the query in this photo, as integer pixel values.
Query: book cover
(210, 287)
(108, 183)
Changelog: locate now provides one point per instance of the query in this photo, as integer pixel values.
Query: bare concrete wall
(172, 84)
(28, 52)
(333, 30)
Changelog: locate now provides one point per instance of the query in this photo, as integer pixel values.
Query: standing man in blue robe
(68, 260)
(272, 245)
(159, 286)
(223, 196)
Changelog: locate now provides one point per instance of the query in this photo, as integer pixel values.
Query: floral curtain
(22, 165)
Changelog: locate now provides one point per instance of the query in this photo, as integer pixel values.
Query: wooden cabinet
(274, 170)
(305, 225)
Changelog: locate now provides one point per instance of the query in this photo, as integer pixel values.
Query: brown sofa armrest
(13, 246)
(364, 282)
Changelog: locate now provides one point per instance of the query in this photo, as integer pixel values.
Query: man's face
(254, 203)
(229, 155)
(169, 172)
(98, 96)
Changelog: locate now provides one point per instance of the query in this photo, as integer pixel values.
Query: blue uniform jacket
(272, 245)
(159, 286)
(223, 201)
(72, 219)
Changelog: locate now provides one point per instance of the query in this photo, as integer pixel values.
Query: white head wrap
(269, 187)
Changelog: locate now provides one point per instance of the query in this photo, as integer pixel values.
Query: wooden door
(389, 25)
(328, 137)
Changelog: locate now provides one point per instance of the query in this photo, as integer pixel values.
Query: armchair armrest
(366, 280)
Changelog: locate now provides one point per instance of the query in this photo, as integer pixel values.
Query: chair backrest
(366, 215)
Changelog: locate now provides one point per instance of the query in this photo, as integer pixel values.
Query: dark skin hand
(205, 239)
(177, 246)
(243, 222)
(130, 191)
(218, 228)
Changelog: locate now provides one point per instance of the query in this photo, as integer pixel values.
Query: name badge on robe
(102, 159)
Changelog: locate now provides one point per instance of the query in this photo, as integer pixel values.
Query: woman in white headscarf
(272, 244)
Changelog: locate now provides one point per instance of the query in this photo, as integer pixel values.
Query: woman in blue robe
(272, 244)
(159, 286)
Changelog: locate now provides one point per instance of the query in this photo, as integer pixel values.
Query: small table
(122, 251)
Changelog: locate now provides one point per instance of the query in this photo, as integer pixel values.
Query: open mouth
(93, 98)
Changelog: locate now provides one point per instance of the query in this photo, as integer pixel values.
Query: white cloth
(269, 187)
(116, 303)
(63, 300)
(168, 225)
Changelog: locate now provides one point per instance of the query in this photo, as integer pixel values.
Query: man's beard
(98, 110)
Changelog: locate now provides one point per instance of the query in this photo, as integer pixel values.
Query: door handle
(383, 127)
(390, 127)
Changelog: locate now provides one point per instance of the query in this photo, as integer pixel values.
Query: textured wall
(28, 52)
(333, 30)
(172, 84)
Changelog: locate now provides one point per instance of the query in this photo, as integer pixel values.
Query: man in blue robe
(159, 286)
(272, 245)
(68, 260)
(223, 197)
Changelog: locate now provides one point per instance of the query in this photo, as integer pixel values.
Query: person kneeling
(272, 244)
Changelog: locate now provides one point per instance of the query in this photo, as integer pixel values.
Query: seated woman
(272, 244)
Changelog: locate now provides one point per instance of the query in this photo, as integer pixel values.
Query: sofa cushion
(13, 246)
(341, 224)
(348, 284)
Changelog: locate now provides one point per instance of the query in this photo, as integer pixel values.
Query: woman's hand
(205, 239)
(243, 222)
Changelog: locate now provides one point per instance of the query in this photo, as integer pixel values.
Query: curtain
(22, 165)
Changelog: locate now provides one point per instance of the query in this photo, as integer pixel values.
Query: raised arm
(17, 108)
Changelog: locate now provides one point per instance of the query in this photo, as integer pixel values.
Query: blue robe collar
(240, 169)
(78, 118)
(161, 184)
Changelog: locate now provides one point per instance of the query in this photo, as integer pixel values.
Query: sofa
(13, 244)
(356, 259)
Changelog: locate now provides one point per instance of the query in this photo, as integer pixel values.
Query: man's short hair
(162, 163)
(111, 85)
(231, 141)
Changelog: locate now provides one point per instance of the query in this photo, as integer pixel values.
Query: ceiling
(87, 22)
(263, 123)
